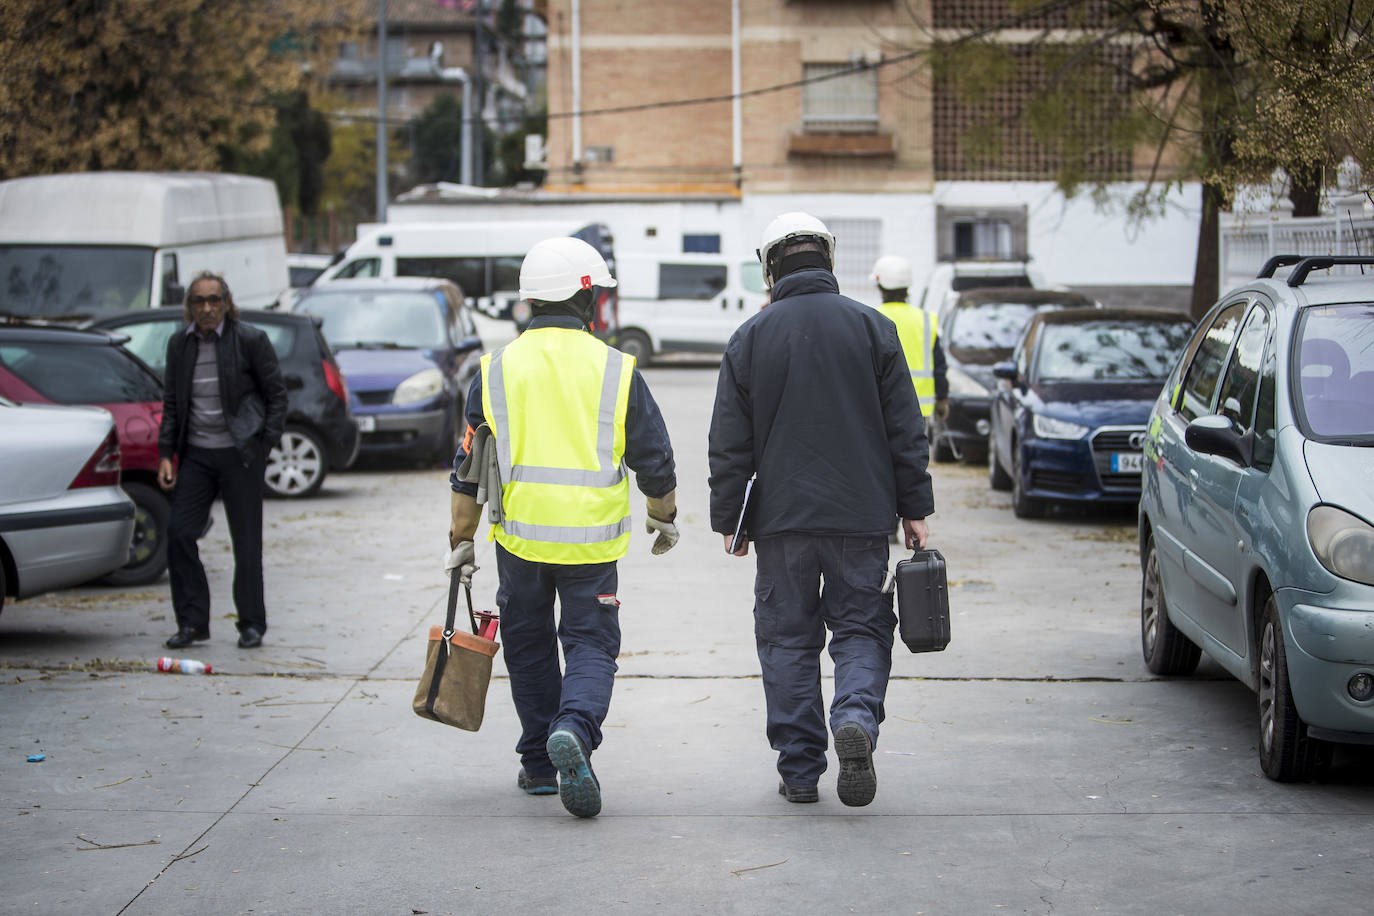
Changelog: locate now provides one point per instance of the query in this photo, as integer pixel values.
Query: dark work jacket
(251, 390)
(815, 399)
(647, 450)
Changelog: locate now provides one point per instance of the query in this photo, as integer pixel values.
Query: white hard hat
(892, 271)
(792, 225)
(556, 269)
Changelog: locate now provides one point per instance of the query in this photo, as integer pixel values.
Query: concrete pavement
(1033, 767)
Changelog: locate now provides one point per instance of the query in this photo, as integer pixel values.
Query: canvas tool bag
(453, 689)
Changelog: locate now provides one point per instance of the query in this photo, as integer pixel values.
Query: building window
(599, 154)
(703, 243)
(978, 234)
(832, 103)
(858, 243)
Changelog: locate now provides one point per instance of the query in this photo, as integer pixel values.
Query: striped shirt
(207, 428)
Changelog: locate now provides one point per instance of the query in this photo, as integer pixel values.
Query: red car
(49, 365)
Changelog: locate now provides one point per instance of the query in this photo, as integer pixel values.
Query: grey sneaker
(857, 783)
(537, 785)
(577, 785)
(798, 795)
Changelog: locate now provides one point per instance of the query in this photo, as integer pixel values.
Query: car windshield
(79, 373)
(378, 319)
(987, 331)
(1110, 350)
(52, 281)
(1334, 351)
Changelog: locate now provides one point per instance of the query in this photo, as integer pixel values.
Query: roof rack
(1307, 265)
(1277, 261)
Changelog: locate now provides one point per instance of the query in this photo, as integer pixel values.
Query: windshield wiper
(367, 345)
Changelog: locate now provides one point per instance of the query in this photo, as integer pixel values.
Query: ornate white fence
(1247, 242)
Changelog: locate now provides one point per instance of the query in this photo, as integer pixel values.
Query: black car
(978, 330)
(321, 434)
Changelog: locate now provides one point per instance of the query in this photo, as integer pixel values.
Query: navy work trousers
(792, 611)
(588, 628)
(203, 474)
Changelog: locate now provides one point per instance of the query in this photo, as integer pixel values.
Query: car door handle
(724, 304)
(741, 303)
(1192, 479)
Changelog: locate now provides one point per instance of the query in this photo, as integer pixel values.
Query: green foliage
(437, 134)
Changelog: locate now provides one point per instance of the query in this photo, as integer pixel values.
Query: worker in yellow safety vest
(918, 334)
(554, 418)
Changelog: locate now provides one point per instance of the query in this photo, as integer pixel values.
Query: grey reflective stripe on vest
(566, 534)
(612, 471)
(922, 373)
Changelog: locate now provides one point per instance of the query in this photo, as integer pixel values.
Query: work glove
(667, 534)
(941, 411)
(463, 559)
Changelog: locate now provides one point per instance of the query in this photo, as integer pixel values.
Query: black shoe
(184, 636)
(249, 638)
(857, 783)
(798, 795)
(537, 785)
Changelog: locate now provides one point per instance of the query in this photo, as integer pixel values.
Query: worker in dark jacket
(223, 409)
(815, 403)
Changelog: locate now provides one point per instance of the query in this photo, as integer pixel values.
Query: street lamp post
(382, 193)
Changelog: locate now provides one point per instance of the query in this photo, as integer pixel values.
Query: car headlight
(1051, 428)
(422, 386)
(963, 385)
(1343, 543)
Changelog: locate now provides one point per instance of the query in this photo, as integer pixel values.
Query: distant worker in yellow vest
(918, 334)
(553, 420)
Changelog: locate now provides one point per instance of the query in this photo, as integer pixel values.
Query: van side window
(701, 243)
(690, 281)
(469, 273)
(1201, 378)
(363, 267)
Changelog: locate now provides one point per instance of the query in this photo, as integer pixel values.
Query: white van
(82, 244)
(483, 258)
(684, 302)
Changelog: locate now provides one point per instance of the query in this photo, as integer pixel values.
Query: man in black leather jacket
(815, 402)
(223, 409)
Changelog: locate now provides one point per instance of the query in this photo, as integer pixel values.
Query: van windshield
(69, 281)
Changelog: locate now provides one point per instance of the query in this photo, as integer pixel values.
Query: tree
(153, 84)
(350, 173)
(294, 158)
(438, 133)
(1219, 91)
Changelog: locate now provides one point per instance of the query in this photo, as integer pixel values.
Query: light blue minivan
(1257, 507)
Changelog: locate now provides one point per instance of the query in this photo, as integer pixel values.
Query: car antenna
(1354, 236)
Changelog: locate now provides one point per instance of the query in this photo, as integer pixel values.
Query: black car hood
(1099, 403)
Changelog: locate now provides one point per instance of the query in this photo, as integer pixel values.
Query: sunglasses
(196, 302)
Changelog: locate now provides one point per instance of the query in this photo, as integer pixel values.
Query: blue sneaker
(577, 785)
(537, 785)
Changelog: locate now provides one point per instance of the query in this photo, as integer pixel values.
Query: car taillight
(102, 469)
(335, 380)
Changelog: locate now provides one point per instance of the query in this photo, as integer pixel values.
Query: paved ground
(1034, 767)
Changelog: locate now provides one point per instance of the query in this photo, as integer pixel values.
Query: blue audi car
(1070, 408)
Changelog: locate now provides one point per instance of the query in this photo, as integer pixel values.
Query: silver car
(63, 518)
(1257, 507)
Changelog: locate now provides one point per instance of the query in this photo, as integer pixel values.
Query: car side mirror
(1218, 435)
(1006, 370)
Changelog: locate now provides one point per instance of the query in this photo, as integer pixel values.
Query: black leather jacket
(251, 389)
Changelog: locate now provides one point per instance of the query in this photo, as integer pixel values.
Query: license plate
(1126, 462)
(369, 425)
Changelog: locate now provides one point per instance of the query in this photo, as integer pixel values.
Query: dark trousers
(588, 628)
(792, 611)
(203, 474)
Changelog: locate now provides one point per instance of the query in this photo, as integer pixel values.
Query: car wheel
(940, 449)
(297, 466)
(636, 344)
(997, 478)
(1166, 650)
(1286, 753)
(1022, 505)
(148, 545)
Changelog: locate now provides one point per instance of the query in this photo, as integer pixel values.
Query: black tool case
(922, 601)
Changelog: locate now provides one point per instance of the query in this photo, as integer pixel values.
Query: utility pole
(480, 85)
(382, 193)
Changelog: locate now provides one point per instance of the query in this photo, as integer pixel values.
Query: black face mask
(799, 260)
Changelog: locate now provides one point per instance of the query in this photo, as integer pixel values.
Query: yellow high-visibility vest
(556, 399)
(916, 331)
